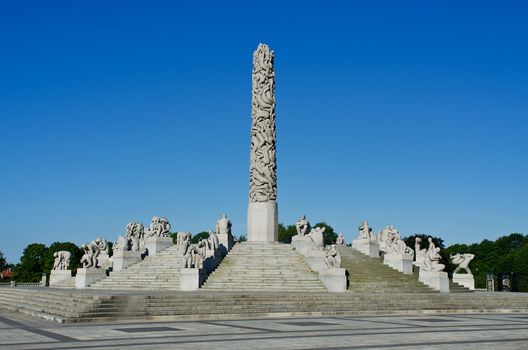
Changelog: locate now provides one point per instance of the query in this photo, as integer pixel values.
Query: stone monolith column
(262, 210)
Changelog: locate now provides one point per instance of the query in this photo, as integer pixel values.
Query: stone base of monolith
(192, 279)
(87, 276)
(226, 243)
(334, 280)
(262, 222)
(435, 279)
(57, 276)
(402, 263)
(155, 245)
(122, 259)
(367, 247)
(463, 279)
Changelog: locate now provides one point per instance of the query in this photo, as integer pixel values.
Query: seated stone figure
(91, 252)
(365, 232)
(121, 245)
(340, 240)
(62, 260)
(432, 260)
(302, 226)
(332, 258)
(462, 261)
(159, 227)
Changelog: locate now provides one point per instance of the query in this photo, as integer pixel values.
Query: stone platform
(99, 305)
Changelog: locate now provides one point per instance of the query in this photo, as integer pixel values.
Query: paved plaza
(410, 331)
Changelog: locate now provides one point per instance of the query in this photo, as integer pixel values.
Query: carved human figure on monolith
(462, 261)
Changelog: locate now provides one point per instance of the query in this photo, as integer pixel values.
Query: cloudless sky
(409, 113)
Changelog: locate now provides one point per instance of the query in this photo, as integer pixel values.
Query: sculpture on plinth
(462, 261)
(213, 242)
(332, 258)
(102, 243)
(395, 245)
(194, 255)
(182, 238)
(340, 240)
(419, 252)
(302, 226)
(365, 232)
(159, 227)
(432, 260)
(317, 238)
(62, 260)
(223, 226)
(121, 245)
(262, 209)
(135, 234)
(91, 252)
(382, 237)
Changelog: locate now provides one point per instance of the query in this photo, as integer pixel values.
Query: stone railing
(21, 284)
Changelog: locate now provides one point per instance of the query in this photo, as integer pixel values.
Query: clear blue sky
(410, 113)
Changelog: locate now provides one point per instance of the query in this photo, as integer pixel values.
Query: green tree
(199, 236)
(329, 235)
(2, 262)
(242, 238)
(286, 233)
(76, 255)
(31, 264)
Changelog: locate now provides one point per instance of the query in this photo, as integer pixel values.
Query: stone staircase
(159, 272)
(370, 275)
(101, 305)
(269, 266)
(68, 283)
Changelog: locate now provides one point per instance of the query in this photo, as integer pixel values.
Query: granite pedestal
(191, 279)
(122, 259)
(334, 280)
(57, 276)
(367, 246)
(400, 262)
(87, 276)
(465, 280)
(262, 222)
(155, 245)
(435, 279)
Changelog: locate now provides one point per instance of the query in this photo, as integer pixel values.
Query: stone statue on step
(91, 252)
(462, 261)
(395, 245)
(62, 260)
(332, 258)
(159, 227)
(340, 240)
(213, 241)
(365, 232)
(194, 255)
(317, 238)
(419, 252)
(432, 260)
(223, 226)
(135, 234)
(302, 226)
(183, 237)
